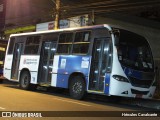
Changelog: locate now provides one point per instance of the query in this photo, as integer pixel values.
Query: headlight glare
(120, 78)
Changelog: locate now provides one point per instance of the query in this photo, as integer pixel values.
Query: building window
(32, 45)
(65, 43)
(81, 42)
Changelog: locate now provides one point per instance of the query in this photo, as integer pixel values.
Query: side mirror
(116, 42)
(116, 36)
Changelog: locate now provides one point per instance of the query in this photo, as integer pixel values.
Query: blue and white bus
(95, 59)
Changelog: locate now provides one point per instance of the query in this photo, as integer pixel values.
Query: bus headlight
(120, 78)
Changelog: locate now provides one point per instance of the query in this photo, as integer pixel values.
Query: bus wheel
(25, 80)
(77, 87)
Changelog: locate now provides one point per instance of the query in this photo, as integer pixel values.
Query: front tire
(77, 87)
(25, 80)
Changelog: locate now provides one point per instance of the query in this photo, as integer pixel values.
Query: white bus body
(82, 60)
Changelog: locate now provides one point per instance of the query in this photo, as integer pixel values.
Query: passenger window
(32, 45)
(65, 43)
(81, 42)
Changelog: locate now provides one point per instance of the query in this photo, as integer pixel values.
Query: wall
(2, 14)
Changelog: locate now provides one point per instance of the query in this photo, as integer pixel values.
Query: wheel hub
(25, 81)
(77, 88)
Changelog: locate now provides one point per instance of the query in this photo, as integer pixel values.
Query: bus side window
(32, 45)
(81, 42)
(65, 43)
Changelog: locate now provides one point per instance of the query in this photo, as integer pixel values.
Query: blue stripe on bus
(62, 81)
(107, 84)
(132, 73)
(70, 64)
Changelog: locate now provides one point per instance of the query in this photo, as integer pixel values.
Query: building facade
(2, 17)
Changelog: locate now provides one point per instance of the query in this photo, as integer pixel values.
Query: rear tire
(25, 80)
(77, 87)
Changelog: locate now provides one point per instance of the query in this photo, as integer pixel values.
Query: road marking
(2, 108)
(72, 102)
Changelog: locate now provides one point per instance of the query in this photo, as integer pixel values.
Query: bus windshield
(134, 51)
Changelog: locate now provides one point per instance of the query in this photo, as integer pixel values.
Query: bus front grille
(140, 83)
(139, 92)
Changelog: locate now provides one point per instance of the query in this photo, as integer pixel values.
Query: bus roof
(66, 29)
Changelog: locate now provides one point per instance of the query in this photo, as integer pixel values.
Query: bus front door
(99, 64)
(16, 60)
(46, 62)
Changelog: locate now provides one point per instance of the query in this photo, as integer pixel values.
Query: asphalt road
(14, 99)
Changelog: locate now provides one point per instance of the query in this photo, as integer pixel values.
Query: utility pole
(57, 16)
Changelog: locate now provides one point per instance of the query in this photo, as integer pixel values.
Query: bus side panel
(31, 63)
(62, 81)
(8, 66)
(54, 71)
(68, 65)
(118, 88)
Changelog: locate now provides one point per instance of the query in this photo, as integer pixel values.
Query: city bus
(3, 46)
(96, 59)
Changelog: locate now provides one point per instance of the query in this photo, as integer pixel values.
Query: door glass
(95, 64)
(46, 61)
(100, 63)
(16, 60)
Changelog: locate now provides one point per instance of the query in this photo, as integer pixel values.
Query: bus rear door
(16, 60)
